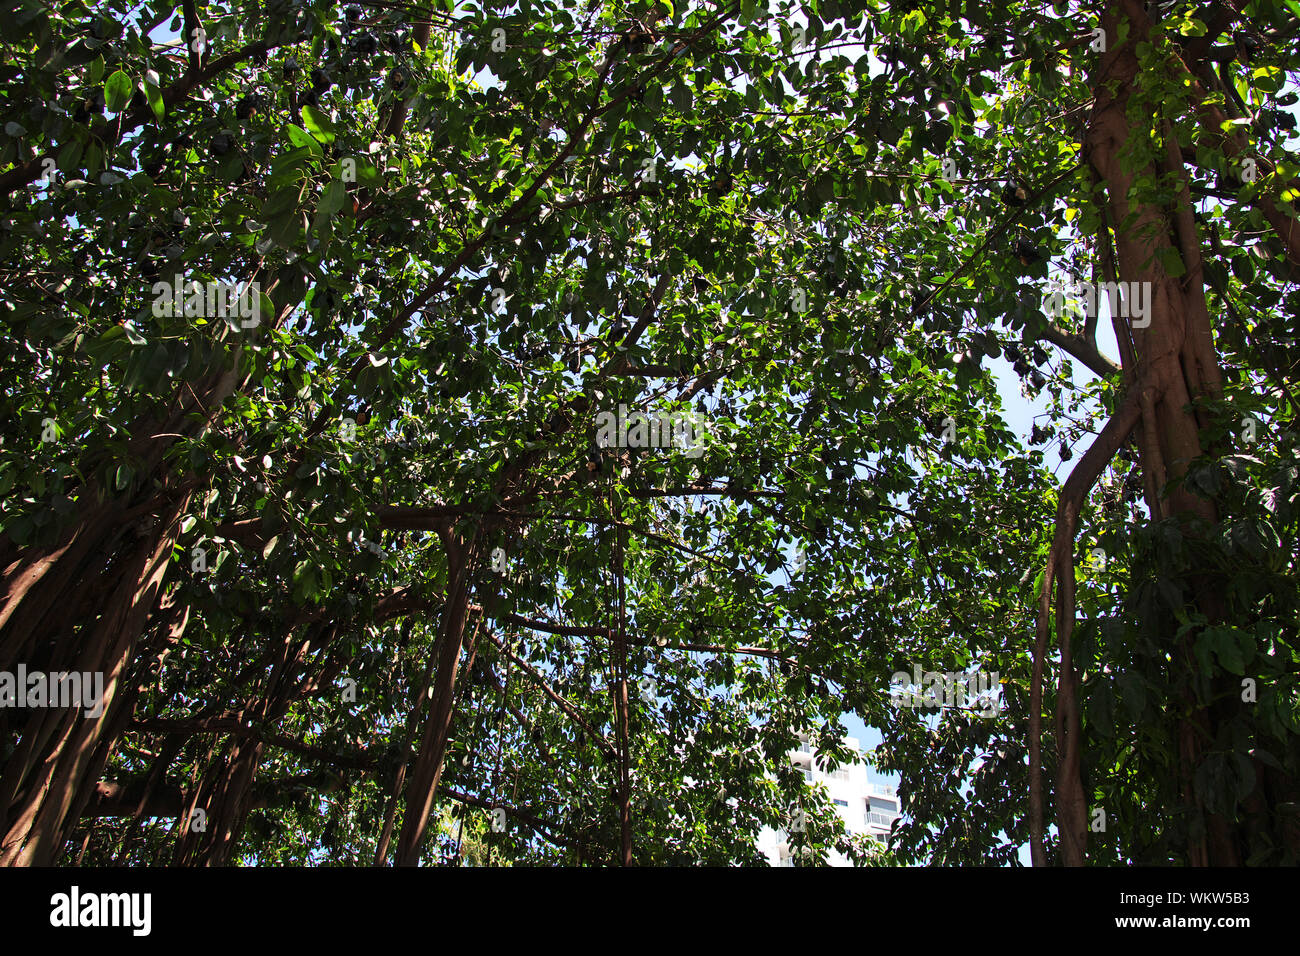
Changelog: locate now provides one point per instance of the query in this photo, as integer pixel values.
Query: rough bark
(1171, 370)
(83, 604)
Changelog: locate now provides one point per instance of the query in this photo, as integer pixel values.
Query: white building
(863, 806)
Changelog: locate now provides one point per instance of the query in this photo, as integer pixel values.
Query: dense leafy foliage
(293, 540)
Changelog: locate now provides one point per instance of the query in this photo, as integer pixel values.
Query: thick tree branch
(1083, 349)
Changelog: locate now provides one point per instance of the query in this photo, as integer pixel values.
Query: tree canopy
(493, 431)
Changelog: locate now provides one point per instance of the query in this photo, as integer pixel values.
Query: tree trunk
(426, 770)
(1176, 368)
(63, 751)
(82, 604)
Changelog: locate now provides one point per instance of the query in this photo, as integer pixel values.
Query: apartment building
(863, 806)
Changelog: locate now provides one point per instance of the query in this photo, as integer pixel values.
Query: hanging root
(1071, 806)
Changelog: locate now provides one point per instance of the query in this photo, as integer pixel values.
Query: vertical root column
(53, 775)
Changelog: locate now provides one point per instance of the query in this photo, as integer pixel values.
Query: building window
(841, 803)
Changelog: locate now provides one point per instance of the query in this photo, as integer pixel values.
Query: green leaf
(279, 203)
(117, 91)
(681, 97)
(304, 579)
(300, 138)
(318, 124)
(1172, 262)
(69, 155)
(333, 198)
(1228, 649)
(155, 98)
(1132, 694)
(132, 336)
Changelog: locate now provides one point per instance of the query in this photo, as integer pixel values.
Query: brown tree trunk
(1176, 368)
(63, 751)
(426, 770)
(83, 604)
(212, 820)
